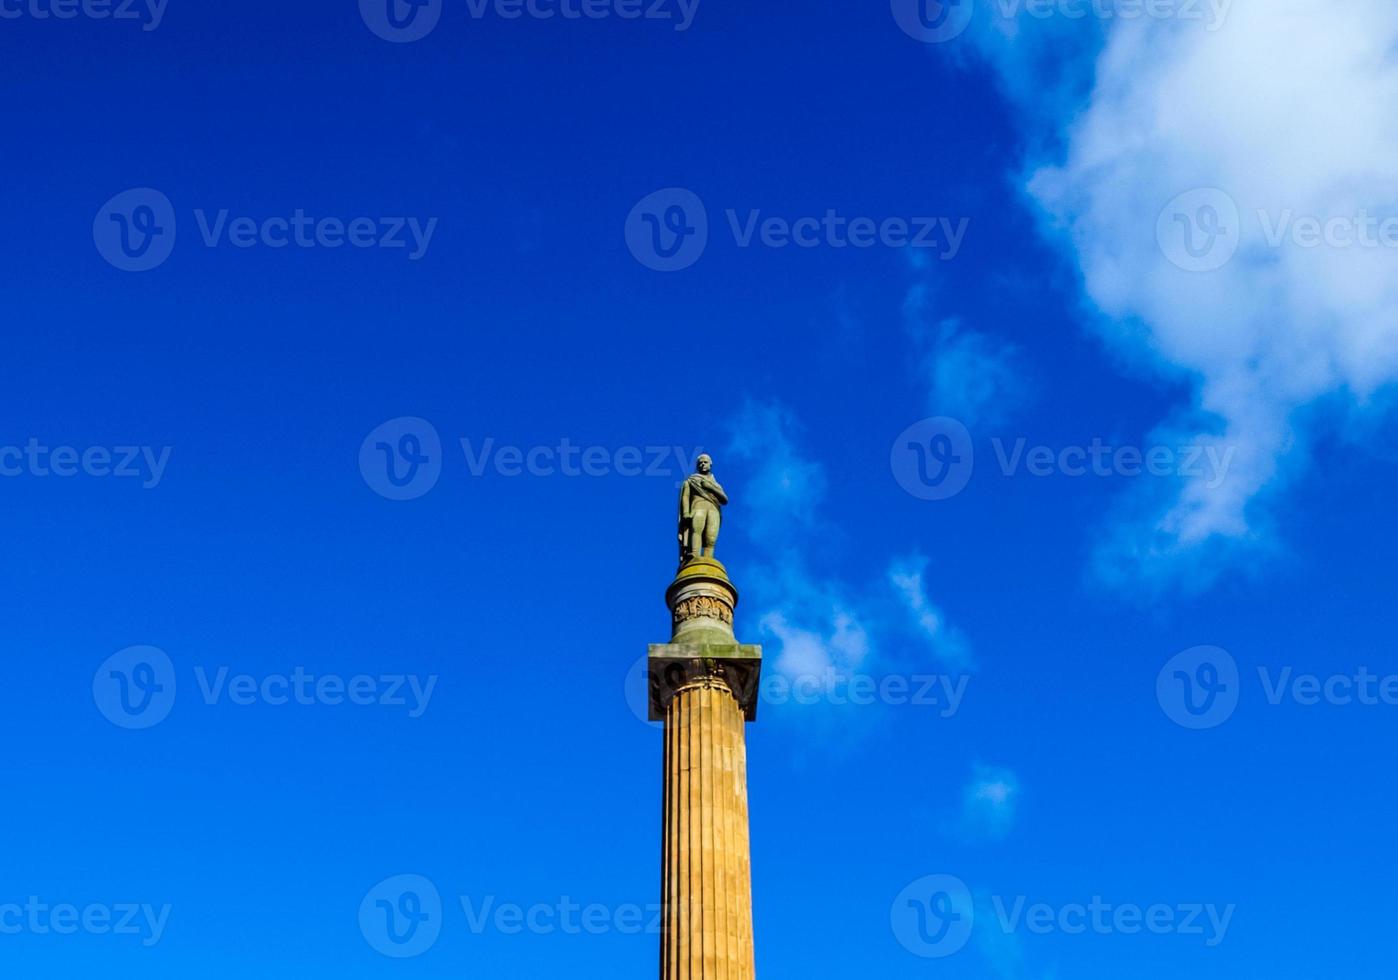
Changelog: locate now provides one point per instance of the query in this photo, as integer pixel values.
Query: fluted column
(704, 686)
(707, 875)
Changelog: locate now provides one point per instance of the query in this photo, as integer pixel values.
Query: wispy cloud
(969, 375)
(838, 643)
(784, 492)
(1003, 950)
(812, 620)
(989, 802)
(947, 644)
(818, 621)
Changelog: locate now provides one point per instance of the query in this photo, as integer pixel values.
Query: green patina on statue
(700, 500)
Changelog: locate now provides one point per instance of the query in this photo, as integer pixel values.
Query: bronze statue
(700, 500)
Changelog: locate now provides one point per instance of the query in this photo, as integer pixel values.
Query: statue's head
(705, 463)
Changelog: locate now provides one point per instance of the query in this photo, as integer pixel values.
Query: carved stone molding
(695, 606)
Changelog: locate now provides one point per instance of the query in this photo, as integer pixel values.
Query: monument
(703, 686)
(701, 498)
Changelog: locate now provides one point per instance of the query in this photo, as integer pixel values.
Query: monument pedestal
(704, 686)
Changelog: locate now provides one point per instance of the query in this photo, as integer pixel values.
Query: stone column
(704, 687)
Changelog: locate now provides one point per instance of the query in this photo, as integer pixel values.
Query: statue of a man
(700, 500)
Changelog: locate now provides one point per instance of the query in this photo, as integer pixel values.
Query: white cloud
(838, 643)
(812, 619)
(947, 643)
(784, 493)
(819, 623)
(973, 377)
(989, 802)
(1291, 108)
(970, 376)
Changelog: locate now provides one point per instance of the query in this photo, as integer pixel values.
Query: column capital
(703, 650)
(673, 667)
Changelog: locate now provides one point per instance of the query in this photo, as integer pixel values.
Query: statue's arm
(718, 491)
(684, 501)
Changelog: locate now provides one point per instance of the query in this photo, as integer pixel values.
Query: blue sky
(1087, 486)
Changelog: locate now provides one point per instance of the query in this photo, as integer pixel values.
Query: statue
(700, 500)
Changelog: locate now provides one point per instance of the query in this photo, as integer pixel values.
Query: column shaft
(707, 885)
